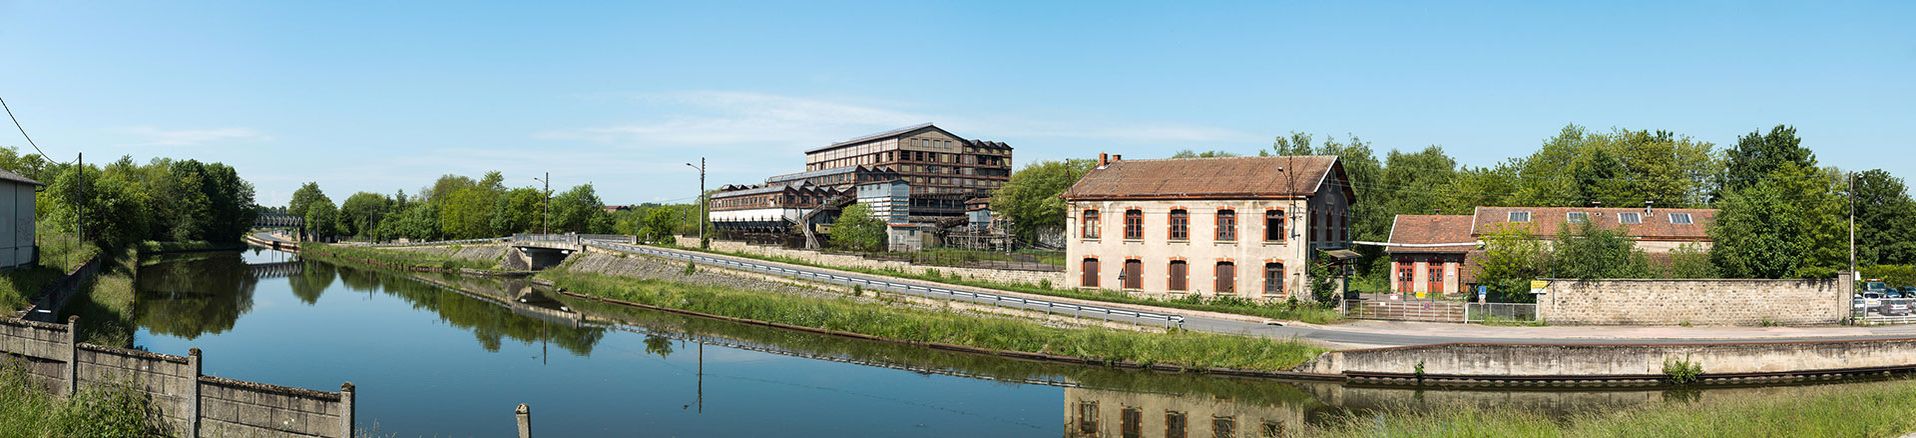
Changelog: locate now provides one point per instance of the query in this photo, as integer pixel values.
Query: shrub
(1682, 371)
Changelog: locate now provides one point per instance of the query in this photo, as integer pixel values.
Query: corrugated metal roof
(1208, 178)
(15, 177)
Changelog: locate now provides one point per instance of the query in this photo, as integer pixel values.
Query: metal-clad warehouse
(16, 219)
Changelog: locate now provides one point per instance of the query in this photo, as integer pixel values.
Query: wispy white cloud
(154, 136)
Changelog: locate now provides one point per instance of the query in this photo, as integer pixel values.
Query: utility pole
(1852, 229)
(702, 207)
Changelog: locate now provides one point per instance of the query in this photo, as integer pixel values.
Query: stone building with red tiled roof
(1241, 227)
(1437, 253)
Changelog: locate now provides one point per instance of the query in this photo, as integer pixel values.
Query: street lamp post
(545, 206)
(702, 207)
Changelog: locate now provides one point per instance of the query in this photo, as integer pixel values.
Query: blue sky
(383, 96)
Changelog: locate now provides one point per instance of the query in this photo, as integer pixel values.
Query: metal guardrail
(1167, 321)
(438, 242)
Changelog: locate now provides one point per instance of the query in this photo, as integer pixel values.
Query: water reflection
(200, 294)
(618, 370)
(189, 296)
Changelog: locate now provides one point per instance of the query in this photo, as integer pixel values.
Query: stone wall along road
(1694, 302)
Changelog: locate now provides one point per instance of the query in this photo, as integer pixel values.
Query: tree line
(460, 207)
(123, 202)
(1781, 213)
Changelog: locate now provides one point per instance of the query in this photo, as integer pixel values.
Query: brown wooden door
(1406, 275)
(1090, 273)
(1436, 274)
(1226, 277)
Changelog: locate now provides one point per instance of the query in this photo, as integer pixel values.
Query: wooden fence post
(73, 355)
(193, 393)
(346, 410)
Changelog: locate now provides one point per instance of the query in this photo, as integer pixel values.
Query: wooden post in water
(524, 415)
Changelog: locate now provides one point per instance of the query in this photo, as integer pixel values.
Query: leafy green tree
(518, 211)
(322, 218)
(1885, 220)
(1512, 258)
(1587, 251)
(361, 212)
(1617, 169)
(1689, 261)
(1031, 199)
(1789, 224)
(418, 221)
(579, 210)
(858, 230)
(1756, 156)
(303, 198)
(1473, 187)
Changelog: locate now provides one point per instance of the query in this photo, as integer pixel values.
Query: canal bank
(1495, 363)
(433, 361)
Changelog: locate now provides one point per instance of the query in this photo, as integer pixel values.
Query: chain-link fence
(1517, 312)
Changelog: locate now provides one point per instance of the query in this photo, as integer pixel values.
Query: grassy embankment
(1880, 410)
(1178, 348)
(28, 411)
(397, 258)
(1290, 311)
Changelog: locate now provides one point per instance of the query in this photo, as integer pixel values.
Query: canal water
(435, 355)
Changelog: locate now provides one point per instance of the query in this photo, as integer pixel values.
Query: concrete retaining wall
(195, 404)
(1696, 302)
(54, 297)
(1493, 360)
(1056, 279)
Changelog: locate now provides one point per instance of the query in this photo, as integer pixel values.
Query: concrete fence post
(193, 392)
(524, 415)
(73, 355)
(346, 410)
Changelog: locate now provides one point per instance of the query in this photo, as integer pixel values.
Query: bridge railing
(441, 242)
(1082, 311)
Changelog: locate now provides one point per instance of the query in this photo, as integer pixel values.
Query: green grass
(1289, 311)
(1879, 410)
(26, 410)
(1181, 348)
(59, 254)
(105, 305)
(392, 257)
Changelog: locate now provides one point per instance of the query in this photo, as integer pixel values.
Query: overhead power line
(23, 129)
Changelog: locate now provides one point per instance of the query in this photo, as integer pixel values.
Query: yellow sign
(1539, 284)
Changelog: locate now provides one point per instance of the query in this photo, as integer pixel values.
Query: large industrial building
(920, 174)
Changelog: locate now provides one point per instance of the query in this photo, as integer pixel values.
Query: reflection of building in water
(1104, 413)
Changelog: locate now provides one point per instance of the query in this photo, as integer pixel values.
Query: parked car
(1868, 302)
